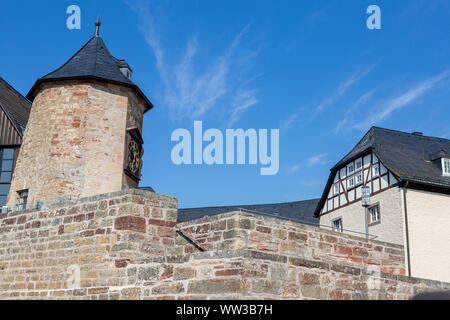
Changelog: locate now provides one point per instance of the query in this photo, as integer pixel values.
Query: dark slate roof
(147, 189)
(301, 211)
(409, 156)
(92, 61)
(16, 106)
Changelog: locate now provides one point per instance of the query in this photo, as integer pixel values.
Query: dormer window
(446, 167)
(126, 72)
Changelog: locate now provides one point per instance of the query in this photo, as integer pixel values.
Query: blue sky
(310, 68)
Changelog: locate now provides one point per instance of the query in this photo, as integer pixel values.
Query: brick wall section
(240, 230)
(124, 246)
(101, 235)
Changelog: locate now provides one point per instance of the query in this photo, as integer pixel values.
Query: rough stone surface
(74, 142)
(101, 241)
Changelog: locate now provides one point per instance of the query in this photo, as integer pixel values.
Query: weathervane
(97, 26)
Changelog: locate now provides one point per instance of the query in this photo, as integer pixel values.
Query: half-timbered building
(409, 179)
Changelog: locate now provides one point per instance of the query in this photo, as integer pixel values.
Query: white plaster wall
(391, 227)
(429, 234)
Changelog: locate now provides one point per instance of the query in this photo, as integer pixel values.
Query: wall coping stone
(280, 221)
(65, 201)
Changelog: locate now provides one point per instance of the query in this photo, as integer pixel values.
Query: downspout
(406, 228)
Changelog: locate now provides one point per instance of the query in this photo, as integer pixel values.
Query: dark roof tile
(15, 105)
(300, 211)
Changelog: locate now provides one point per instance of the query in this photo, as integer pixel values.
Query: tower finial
(97, 26)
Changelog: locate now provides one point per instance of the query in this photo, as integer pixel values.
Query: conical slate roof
(92, 61)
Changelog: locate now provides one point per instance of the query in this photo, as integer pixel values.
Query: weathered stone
(308, 278)
(241, 223)
(173, 288)
(345, 269)
(266, 286)
(131, 223)
(148, 273)
(309, 263)
(213, 286)
(183, 273)
(130, 294)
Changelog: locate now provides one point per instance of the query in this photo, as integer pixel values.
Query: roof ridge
(371, 130)
(412, 134)
(250, 205)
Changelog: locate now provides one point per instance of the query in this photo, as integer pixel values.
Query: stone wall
(99, 236)
(236, 230)
(124, 245)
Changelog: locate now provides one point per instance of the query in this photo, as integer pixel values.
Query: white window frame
(377, 173)
(359, 174)
(340, 228)
(446, 167)
(350, 165)
(361, 165)
(336, 192)
(351, 179)
(371, 211)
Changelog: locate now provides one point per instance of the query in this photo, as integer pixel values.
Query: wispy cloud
(350, 112)
(343, 87)
(398, 102)
(244, 100)
(197, 82)
(313, 161)
(288, 122)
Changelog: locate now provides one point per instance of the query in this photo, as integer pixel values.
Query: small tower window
(445, 167)
(23, 199)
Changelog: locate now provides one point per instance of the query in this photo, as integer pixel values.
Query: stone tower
(83, 136)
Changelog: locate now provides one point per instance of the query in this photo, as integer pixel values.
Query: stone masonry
(127, 245)
(74, 142)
